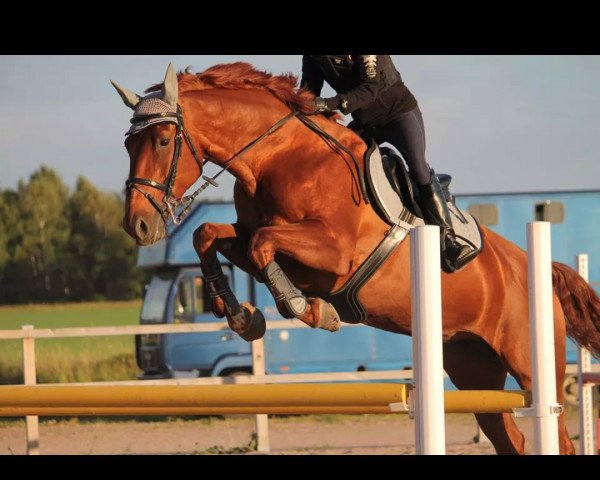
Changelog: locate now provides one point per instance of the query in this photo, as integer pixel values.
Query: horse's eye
(164, 142)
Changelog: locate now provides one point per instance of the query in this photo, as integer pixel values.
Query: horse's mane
(243, 75)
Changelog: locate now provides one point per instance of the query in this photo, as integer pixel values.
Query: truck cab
(178, 295)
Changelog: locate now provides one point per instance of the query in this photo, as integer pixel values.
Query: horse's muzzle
(145, 230)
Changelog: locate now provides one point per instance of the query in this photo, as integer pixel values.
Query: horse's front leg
(229, 240)
(314, 245)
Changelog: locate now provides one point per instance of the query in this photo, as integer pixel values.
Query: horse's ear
(170, 88)
(129, 98)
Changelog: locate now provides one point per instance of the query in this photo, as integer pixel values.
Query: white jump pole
(584, 365)
(541, 323)
(426, 300)
(263, 443)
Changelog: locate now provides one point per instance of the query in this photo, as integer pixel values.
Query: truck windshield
(153, 309)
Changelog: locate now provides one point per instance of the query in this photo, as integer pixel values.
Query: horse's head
(161, 169)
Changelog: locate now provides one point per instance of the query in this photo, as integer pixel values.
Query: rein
(337, 146)
(171, 202)
(227, 164)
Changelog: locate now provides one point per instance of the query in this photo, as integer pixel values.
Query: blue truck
(177, 294)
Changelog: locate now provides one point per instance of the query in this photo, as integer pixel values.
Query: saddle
(395, 199)
(394, 196)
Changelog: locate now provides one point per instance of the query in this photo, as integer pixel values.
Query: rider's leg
(435, 211)
(406, 132)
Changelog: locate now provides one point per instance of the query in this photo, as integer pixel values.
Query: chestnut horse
(300, 207)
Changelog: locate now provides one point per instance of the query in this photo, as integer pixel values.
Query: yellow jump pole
(126, 411)
(485, 401)
(236, 396)
(66, 400)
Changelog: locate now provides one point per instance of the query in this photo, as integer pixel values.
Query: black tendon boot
(435, 212)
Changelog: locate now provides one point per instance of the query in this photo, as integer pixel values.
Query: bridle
(171, 202)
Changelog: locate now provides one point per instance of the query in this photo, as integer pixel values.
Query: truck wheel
(236, 373)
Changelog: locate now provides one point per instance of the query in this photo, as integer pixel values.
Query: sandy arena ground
(338, 435)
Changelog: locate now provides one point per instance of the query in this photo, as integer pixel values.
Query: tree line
(60, 245)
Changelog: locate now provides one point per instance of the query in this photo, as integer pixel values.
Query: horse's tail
(581, 306)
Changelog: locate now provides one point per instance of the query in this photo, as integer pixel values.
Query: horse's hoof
(218, 307)
(326, 316)
(330, 319)
(255, 318)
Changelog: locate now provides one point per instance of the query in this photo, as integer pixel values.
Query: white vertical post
(262, 420)
(29, 378)
(541, 326)
(584, 365)
(426, 300)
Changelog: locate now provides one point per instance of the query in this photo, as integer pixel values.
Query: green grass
(71, 359)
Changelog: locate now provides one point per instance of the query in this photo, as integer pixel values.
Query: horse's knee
(261, 248)
(260, 238)
(203, 237)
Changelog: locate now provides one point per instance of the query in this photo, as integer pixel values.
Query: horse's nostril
(141, 228)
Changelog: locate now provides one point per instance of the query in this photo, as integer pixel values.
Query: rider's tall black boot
(435, 211)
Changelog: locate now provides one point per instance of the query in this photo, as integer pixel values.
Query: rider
(383, 108)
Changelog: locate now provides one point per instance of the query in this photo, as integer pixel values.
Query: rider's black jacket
(367, 86)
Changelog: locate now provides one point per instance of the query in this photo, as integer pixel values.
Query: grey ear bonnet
(151, 104)
(155, 103)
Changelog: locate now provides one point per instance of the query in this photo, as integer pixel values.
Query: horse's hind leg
(473, 365)
(519, 367)
(228, 239)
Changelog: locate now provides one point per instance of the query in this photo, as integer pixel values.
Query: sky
(495, 123)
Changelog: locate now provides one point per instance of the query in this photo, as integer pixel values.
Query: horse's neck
(225, 128)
